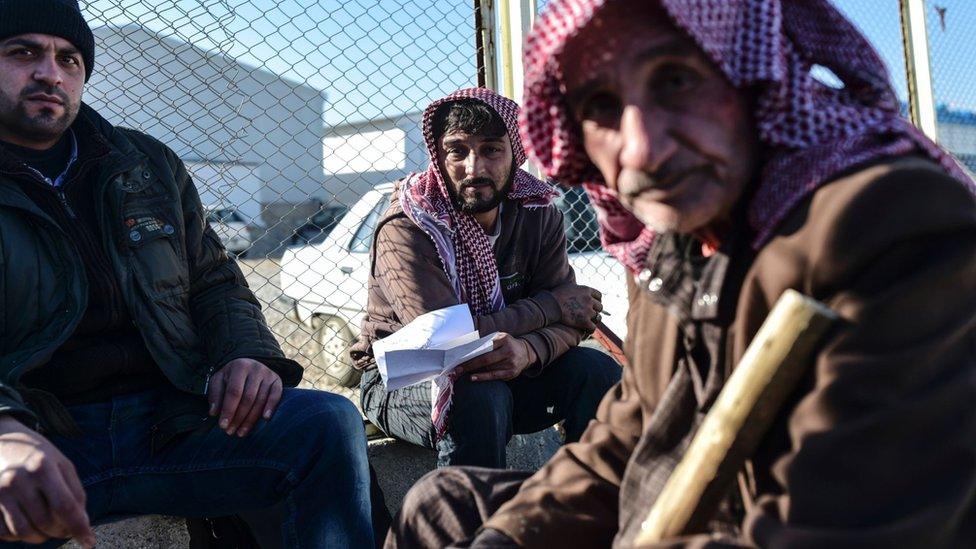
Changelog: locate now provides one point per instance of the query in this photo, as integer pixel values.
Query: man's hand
(41, 497)
(579, 305)
(243, 391)
(509, 357)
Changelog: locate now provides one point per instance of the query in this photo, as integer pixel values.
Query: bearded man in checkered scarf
(474, 228)
(736, 149)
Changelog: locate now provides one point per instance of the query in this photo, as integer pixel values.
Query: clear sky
(370, 56)
(952, 53)
(375, 57)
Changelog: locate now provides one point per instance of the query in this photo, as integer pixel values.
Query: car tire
(332, 339)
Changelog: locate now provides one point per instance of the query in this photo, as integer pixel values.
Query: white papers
(433, 344)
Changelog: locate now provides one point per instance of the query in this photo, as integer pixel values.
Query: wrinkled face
(477, 169)
(665, 128)
(41, 80)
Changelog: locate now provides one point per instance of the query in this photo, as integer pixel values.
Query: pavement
(151, 532)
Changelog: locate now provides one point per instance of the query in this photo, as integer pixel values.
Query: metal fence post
(485, 29)
(921, 99)
(522, 20)
(511, 20)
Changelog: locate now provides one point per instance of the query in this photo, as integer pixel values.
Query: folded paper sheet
(433, 344)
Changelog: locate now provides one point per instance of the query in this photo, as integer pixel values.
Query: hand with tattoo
(579, 306)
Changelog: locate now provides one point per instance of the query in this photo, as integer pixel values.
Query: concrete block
(400, 464)
(530, 452)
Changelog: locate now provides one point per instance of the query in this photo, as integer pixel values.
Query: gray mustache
(643, 181)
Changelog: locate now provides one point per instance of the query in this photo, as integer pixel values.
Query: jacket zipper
(104, 272)
(65, 205)
(20, 366)
(115, 301)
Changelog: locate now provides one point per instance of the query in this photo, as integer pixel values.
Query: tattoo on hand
(576, 311)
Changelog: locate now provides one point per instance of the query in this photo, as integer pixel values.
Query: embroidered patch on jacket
(142, 228)
(511, 282)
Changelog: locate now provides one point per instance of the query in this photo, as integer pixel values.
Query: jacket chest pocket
(152, 240)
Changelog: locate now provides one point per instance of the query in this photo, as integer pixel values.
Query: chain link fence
(880, 22)
(287, 114)
(294, 117)
(950, 25)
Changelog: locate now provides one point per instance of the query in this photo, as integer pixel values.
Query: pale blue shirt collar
(59, 180)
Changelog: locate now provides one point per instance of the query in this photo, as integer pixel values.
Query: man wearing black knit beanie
(137, 372)
(60, 18)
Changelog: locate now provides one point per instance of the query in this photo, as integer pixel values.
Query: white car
(325, 283)
(230, 227)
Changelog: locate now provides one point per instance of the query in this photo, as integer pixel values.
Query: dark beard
(44, 126)
(479, 205)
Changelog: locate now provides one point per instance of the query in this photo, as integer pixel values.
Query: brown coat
(878, 448)
(407, 279)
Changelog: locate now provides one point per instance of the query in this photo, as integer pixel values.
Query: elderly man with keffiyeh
(476, 229)
(727, 172)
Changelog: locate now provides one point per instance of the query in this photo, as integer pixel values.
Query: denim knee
(591, 367)
(331, 418)
(482, 404)
(347, 416)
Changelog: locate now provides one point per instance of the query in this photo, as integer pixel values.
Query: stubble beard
(477, 204)
(44, 126)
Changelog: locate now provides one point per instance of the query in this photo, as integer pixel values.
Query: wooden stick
(768, 373)
(611, 342)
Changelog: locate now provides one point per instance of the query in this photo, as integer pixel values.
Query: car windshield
(364, 234)
(224, 215)
(327, 217)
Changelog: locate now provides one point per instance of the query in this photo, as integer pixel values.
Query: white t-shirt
(493, 237)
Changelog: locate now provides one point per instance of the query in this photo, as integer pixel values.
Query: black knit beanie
(55, 17)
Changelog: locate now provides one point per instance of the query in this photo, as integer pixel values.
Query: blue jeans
(311, 456)
(485, 414)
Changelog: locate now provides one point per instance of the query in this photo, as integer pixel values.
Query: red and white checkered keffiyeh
(811, 131)
(463, 247)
